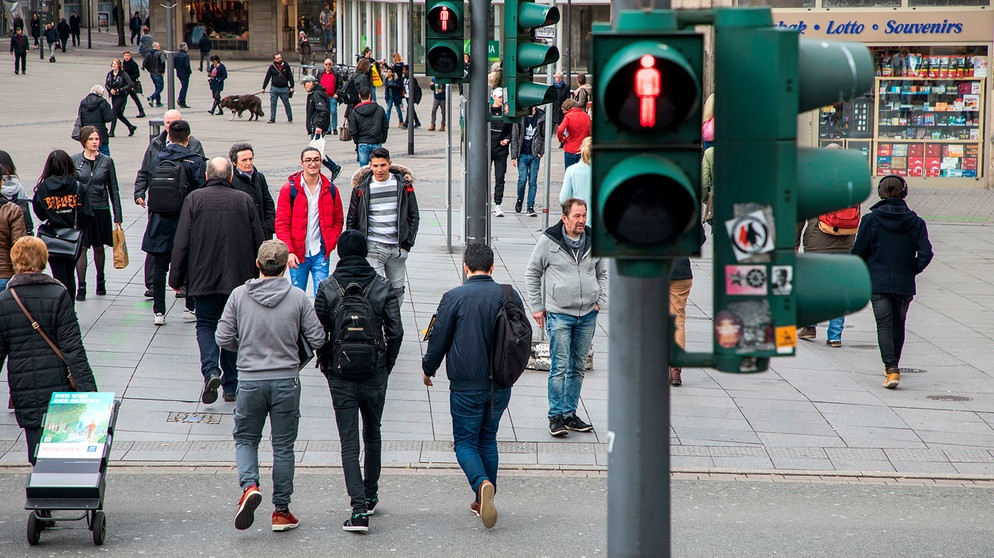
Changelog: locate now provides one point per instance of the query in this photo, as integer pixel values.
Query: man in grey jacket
(576, 288)
(270, 386)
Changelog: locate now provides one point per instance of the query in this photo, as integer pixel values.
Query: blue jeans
(283, 94)
(280, 401)
(569, 344)
(214, 359)
(333, 109)
(184, 85)
(327, 38)
(835, 326)
(316, 266)
(475, 419)
(3, 283)
(105, 149)
(157, 95)
(570, 159)
(363, 152)
(399, 104)
(528, 172)
(352, 398)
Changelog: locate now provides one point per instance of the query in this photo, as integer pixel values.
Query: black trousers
(118, 103)
(500, 170)
(891, 313)
(351, 399)
(160, 269)
(33, 437)
(138, 103)
(21, 59)
(64, 271)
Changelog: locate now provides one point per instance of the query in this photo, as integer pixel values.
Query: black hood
(894, 215)
(354, 269)
(92, 101)
(366, 108)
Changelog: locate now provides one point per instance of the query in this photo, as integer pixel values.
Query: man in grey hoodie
(269, 383)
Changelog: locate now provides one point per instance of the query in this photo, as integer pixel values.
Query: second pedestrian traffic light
(444, 39)
(646, 141)
(522, 54)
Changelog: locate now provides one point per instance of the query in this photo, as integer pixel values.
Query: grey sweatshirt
(262, 321)
(573, 284)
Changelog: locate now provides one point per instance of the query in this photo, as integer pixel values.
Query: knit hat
(273, 252)
(352, 243)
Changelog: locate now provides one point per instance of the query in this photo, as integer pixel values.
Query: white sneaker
(160, 319)
(497, 211)
(189, 316)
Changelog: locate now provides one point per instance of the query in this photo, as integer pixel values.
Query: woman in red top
(571, 131)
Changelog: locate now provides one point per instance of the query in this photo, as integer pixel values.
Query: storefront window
(933, 3)
(318, 18)
(225, 22)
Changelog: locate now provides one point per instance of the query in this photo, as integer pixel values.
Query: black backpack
(349, 94)
(357, 338)
(512, 341)
(166, 184)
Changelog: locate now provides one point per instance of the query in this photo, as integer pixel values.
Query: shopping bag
(120, 248)
(317, 144)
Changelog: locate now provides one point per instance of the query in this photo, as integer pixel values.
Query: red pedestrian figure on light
(647, 86)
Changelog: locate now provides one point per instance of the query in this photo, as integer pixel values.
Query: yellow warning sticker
(786, 338)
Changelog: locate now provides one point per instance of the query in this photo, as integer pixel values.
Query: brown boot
(675, 376)
(431, 128)
(441, 128)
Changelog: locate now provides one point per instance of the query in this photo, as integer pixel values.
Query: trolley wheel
(34, 529)
(99, 527)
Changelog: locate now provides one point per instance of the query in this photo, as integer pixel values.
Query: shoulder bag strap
(37, 327)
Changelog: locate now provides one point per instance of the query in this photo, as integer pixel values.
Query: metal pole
(547, 174)
(170, 54)
(568, 54)
(638, 482)
(477, 157)
(89, 24)
(410, 82)
(448, 168)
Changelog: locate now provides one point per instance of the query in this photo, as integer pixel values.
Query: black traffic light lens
(650, 94)
(443, 19)
(648, 209)
(443, 60)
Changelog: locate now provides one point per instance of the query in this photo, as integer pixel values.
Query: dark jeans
(351, 398)
(22, 61)
(158, 80)
(64, 271)
(119, 102)
(890, 311)
(214, 359)
(475, 419)
(32, 436)
(500, 171)
(570, 159)
(205, 57)
(280, 401)
(184, 84)
(412, 111)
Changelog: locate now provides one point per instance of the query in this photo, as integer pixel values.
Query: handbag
(138, 87)
(63, 242)
(75, 128)
(375, 78)
(120, 248)
(36, 327)
(343, 133)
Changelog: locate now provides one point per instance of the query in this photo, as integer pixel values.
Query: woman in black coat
(118, 84)
(96, 172)
(60, 202)
(35, 28)
(34, 371)
(94, 110)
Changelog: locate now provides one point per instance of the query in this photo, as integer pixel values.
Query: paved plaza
(823, 411)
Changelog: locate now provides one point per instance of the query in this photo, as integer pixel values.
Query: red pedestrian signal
(647, 89)
(440, 19)
(650, 88)
(444, 36)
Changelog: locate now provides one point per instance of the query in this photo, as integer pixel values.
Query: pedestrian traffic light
(646, 141)
(522, 54)
(764, 186)
(444, 40)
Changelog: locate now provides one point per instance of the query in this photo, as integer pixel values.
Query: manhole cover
(861, 346)
(949, 398)
(195, 418)
(913, 371)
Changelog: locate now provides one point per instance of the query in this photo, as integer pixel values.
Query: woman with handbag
(95, 111)
(119, 84)
(216, 75)
(96, 172)
(60, 203)
(45, 360)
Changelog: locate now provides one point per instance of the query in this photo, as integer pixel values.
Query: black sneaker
(210, 389)
(371, 504)
(531, 212)
(148, 293)
(517, 206)
(358, 523)
(556, 427)
(574, 423)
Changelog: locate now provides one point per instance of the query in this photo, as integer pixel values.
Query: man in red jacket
(309, 219)
(571, 131)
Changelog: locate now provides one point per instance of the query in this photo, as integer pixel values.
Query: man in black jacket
(247, 178)
(205, 49)
(161, 227)
(181, 62)
(155, 65)
(364, 393)
(463, 334)
(135, 24)
(380, 192)
(500, 138)
(74, 28)
(211, 269)
(134, 72)
(64, 32)
(318, 115)
(282, 77)
(19, 47)
(368, 126)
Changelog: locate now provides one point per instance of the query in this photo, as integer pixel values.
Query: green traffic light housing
(522, 55)
(444, 40)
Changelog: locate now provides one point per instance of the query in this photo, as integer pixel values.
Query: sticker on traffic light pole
(757, 325)
(750, 235)
(782, 282)
(745, 280)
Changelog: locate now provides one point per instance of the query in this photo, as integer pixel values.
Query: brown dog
(242, 103)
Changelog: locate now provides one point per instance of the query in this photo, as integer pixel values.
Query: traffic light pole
(477, 127)
(638, 481)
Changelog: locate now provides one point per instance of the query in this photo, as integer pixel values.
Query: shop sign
(890, 26)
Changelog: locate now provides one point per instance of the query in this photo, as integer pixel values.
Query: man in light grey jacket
(262, 321)
(576, 288)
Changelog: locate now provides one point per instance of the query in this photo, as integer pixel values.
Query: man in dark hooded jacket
(95, 111)
(368, 126)
(893, 241)
(318, 116)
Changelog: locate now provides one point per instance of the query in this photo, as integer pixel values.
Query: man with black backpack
(361, 315)
(175, 172)
(463, 332)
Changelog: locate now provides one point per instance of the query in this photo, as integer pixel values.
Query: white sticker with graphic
(750, 235)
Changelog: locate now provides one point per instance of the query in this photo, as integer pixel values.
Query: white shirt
(313, 244)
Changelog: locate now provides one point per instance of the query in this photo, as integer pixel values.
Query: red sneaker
(284, 521)
(245, 515)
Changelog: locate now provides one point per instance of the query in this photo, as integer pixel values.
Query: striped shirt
(383, 211)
